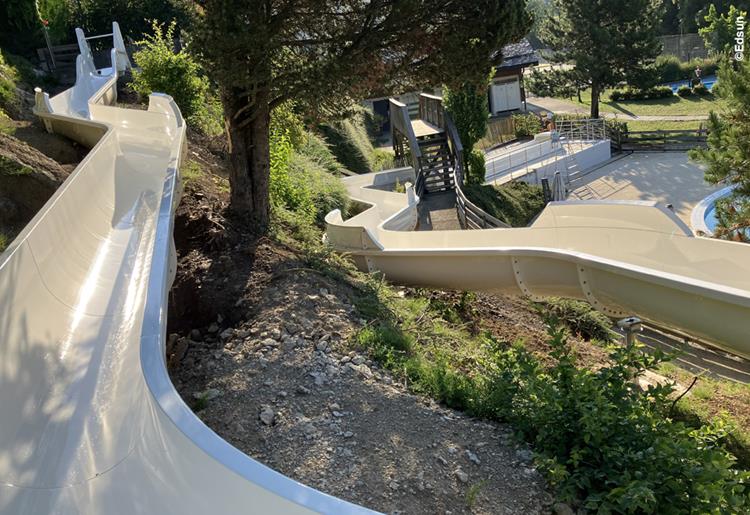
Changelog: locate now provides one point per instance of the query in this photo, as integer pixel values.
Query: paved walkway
(557, 105)
(665, 177)
(437, 212)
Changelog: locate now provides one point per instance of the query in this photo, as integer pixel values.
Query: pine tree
(325, 53)
(728, 154)
(606, 41)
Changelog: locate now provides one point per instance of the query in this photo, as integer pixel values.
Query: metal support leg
(631, 326)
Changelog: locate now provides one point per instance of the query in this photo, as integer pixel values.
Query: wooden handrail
(401, 122)
(431, 110)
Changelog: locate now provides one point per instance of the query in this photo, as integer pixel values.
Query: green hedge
(628, 94)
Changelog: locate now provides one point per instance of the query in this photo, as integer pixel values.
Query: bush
(301, 181)
(322, 192)
(178, 75)
(684, 91)
(515, 203)
(605, 444)
(701, 90)
(670, 69)
(475, 167)
(610, 444)
(526, 125)
(350, 142)
(641, 94)
(581, 319)
(316, 149)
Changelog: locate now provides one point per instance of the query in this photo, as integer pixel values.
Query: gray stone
(525, 455)
(472, 457)
(560, 508)
(209, 394)
(461, 475)
(267, 415)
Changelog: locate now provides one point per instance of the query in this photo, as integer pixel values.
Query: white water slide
(625, 258)
(90, 422)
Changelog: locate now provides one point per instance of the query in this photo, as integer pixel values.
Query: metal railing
(520, 163)
(590, 129)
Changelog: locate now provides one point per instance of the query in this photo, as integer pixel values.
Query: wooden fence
(660, 140)
(499, 131)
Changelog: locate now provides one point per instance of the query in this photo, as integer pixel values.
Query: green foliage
(20, 26)
(4, 241)
(350, 142)
(475, 167)
(133, 16)
(719, 30)
(58, 15)
(733, 217)
(323, 191)
(526, 125)
(728, 156)
(669, 68)
(325, 53)
(557, 82)
(602, 442)
(684, 91)
(515, 203)
(301, 182)
(177, 74)
(652, 93)
(608, 42)
(580, 318)
(467, 106)
(316, 149)
(701, 90)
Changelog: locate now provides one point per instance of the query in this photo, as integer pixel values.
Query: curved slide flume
(625, 258)
(91, 423)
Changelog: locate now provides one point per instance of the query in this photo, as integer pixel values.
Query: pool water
(708, 81)
(710, 218)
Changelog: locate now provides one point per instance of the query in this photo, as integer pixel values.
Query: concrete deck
(666, 177)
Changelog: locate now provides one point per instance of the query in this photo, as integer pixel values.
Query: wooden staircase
(436, 163)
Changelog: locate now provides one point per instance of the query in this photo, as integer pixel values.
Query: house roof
(516, 55)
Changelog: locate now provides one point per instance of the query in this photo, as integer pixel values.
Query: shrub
(176, 74)
(316, 149)
(475, 167)
(322, 192)
(602, 440)
(641, 94)
(605, 444)
(515, 203)
(301, 181)
(684, 91)
(381, 159)
(526, 125)
(670, 69)
(467, 106)
(581, 318)
(701, 90)
(350, 142)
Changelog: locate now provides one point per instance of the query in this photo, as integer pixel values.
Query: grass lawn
(675, 106)
(664, 125)
(711, 398)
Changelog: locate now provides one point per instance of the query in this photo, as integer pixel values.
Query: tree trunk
(594, 100)
(251, 164)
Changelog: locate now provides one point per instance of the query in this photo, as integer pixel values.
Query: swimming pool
(708, 81)
(703, 218)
